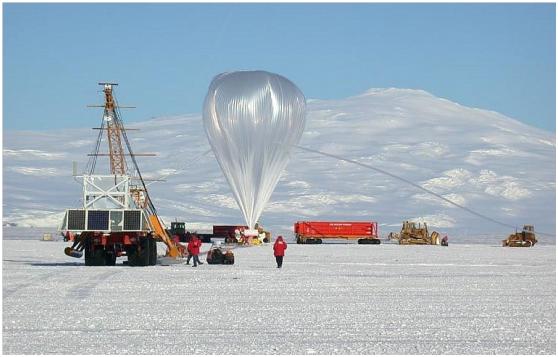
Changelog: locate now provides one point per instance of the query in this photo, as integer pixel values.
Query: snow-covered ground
(327, 299)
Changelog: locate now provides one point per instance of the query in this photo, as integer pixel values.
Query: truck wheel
(139, 255)
(368, 241)
(88, 253)
(130, 253)
(153, 251)
(145, 251)
(318, 241)
(94, 257)
(110, 257)
(228, 258)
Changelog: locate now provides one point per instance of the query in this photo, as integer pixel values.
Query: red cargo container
(226, 231)
(314, 232)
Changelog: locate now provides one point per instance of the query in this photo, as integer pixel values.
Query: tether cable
(483, 216)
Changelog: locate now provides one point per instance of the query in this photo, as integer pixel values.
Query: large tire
(130, 253)
(88, 254)
(94, 256)
(368, 241)
(228, 258)
(318, 241)
(216, 256)
(140, 256)
(110, 257)
(152, 251)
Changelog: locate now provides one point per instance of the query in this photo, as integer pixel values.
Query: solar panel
(76, 220)
(132, 220)
(98, 220)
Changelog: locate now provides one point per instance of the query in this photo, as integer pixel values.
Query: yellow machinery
(524, 239)
(411, 233)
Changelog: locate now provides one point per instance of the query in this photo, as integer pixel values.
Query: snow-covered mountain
(479, 159)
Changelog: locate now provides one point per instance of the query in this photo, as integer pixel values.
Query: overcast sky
(492, 56)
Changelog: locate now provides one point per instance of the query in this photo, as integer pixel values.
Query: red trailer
(313, 232)
(226, 231)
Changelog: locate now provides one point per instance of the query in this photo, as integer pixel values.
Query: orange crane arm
(174, 251)
(116, 151)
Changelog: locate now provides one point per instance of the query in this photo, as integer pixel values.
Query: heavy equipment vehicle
(179, 229)
(412, 233)
(525, 238)
(218, 254)
(118, 217)
(307, 232)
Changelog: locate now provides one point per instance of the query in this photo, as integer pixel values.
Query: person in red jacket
(194, 249)
(279, 248)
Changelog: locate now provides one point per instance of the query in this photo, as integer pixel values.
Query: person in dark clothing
(279, 248)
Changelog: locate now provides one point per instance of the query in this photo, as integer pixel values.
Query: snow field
(327, 299)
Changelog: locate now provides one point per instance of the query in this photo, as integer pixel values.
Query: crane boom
(118, 217)
(114, 133)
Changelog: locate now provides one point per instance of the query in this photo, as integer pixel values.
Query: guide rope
(478, 214)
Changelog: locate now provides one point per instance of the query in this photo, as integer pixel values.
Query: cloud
(29, 154)
(36, 171)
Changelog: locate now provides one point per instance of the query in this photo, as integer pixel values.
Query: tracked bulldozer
(525, 238)
(412, 233)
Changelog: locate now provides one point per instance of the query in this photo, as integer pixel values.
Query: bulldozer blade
(72, 252)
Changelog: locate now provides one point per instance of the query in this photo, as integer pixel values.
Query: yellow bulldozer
(412, 233)
(525, 238)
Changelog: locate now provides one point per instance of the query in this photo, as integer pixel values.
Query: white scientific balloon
(252, 120)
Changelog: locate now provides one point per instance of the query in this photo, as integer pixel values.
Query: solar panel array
(106, 220)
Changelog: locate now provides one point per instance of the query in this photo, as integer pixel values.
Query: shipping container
(315, 232)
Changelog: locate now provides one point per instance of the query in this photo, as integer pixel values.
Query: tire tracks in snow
(84, 289)
(8, 292)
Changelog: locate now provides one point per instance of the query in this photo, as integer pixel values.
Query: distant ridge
(479, 158)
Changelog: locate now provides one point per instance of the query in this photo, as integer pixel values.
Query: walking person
(279, 248)
(194, 250)
(189, 253)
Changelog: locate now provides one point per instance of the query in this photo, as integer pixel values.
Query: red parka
(194, 246)
(279, 247)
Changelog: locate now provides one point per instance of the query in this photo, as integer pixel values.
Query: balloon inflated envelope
(252, 120)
